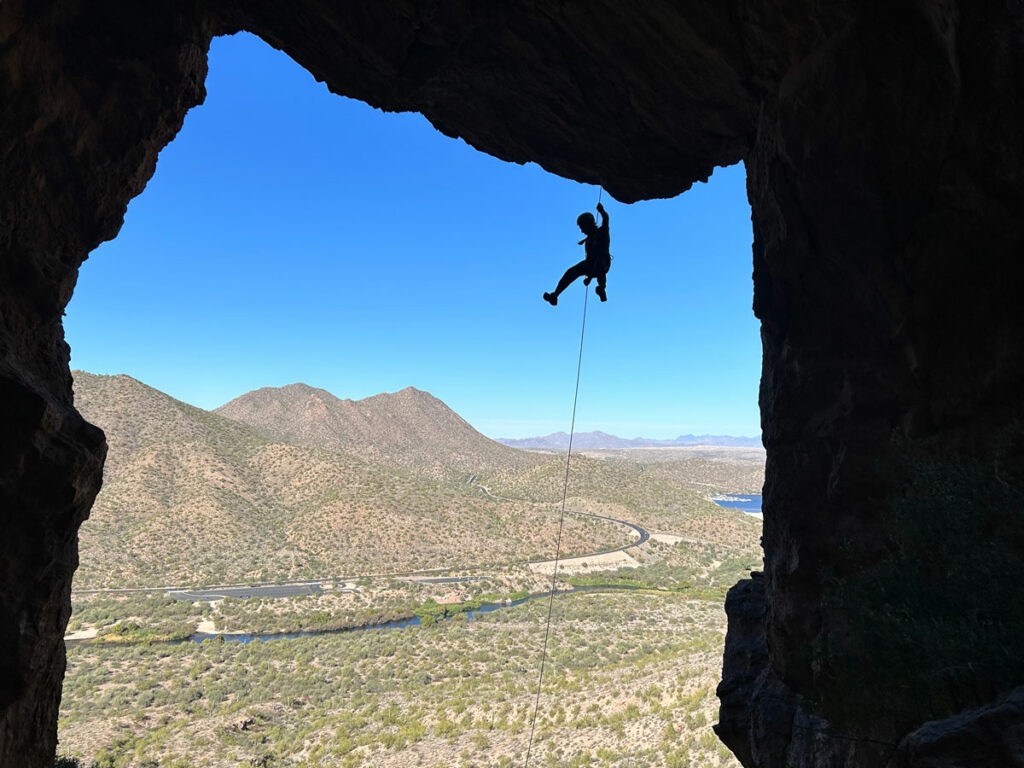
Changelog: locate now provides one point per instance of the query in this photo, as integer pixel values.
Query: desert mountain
(595, 441)
(410, 428)
(194, 497)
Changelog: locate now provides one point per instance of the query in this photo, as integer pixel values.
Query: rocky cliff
(882, 140)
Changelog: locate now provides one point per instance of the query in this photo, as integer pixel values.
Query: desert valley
(293, 579)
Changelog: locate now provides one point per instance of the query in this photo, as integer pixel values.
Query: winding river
(413, 621)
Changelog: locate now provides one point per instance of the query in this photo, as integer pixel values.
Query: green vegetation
(160, 615)
(454, 694)
(193, 498)
(155, 616)
(704, 569)
(133, 632)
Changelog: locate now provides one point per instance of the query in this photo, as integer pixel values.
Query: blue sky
(293, 235)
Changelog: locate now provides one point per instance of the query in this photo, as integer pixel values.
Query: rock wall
(88, 95)
(888, 200)
(886, 180)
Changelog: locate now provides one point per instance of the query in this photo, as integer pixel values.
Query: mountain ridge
(410, 428)
(598, 440)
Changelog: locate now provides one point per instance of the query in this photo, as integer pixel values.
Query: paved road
(644, 535)
(244, 593)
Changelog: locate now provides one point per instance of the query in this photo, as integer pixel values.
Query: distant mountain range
(597, 441)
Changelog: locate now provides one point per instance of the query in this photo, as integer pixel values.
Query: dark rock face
(888, 202)
(89, 96)
(752, 686)
(763, 721)
(989, 737)
(886, 178)
(50, 462)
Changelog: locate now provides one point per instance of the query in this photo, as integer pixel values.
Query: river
(414, 621)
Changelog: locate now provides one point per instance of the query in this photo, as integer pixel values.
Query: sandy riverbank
(586, 563)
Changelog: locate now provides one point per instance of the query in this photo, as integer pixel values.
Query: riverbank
(427, 614)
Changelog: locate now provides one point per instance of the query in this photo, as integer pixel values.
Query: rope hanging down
(558, 546)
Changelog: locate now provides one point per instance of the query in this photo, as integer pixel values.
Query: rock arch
(886, 180)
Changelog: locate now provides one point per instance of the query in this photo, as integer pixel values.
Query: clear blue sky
(293, 235)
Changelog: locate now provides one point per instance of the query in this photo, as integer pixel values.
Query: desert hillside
(191, 496)
(410, 428)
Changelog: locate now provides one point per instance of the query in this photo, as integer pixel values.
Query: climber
(598, 259)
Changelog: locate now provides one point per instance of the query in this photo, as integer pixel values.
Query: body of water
(414, 621)
(748, 502)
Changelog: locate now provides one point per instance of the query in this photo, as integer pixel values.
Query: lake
(748, 502)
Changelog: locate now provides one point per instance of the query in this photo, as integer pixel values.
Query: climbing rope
(561, 523)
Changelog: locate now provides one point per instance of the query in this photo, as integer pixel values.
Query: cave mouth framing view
(885, 177)
(185, 500)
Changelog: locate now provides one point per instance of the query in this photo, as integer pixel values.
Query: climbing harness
(561, 523)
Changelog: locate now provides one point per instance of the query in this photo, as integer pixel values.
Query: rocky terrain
(195, 495)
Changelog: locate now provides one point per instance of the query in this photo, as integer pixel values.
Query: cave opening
(882, 147)
(198, 283)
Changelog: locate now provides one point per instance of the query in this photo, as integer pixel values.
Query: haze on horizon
(292, 235)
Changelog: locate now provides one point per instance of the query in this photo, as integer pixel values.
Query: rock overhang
(886, 179)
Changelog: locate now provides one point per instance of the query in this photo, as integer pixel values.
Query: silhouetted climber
(598, 259)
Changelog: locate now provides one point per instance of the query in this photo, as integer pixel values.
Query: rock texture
(887, 185)
(763, 721)
(882, 140)
(89, 95)
(987, 737)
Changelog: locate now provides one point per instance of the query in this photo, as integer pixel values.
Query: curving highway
(643, 533)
